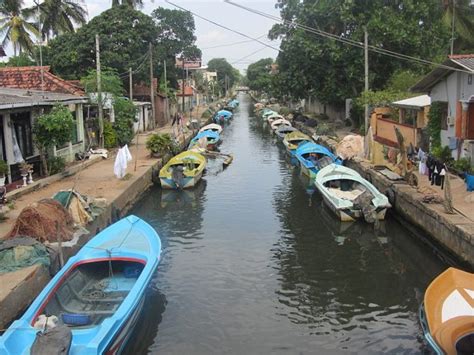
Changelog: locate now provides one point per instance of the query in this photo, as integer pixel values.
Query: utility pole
(453, 27)
(40, 40)
(130, 79)
(152, 88)
(99, 92)
(166, 79)
(182, 86)
(366, 65)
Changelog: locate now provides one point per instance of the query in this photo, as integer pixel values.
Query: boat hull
(188, 182)
(351, 214)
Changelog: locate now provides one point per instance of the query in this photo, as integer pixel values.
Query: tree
(312, 64)
(22, 60)
(52, 129)
(110, 82)
(124, 35)
(226, 74)
(15, 28)
(258, 75)
(463, 23)
(59, 16)
(125, 117)
(136, 4)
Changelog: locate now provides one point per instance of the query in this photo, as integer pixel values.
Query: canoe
(212, 127)
(293, 140)
(183, 170)
(267, 112)
(447, 313)
(313, 157)
(349, 195)
(278, 123)
(283, 130)
(97, 296)
(205, 139)
(273, 117)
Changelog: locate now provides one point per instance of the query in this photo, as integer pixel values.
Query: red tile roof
(461, 56)
(29, 78)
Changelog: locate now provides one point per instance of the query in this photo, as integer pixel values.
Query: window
(22, 125)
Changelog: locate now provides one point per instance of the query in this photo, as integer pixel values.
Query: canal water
(253, 263)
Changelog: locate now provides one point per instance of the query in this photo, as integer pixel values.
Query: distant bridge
(242, 88)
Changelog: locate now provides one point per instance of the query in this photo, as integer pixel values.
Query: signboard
(189, 63)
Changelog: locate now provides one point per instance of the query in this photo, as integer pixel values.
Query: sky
(209, 35)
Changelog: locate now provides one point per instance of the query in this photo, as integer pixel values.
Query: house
(18, 110)
(451, 84)
(141, 93)
(410, 116)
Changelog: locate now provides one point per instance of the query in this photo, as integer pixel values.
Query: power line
(345, 40)
(232, 44)
(249, 55)
(225, 27)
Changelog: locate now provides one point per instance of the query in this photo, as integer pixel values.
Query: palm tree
(59, 16)
(14, 27)
(463, 23)
(133, 3)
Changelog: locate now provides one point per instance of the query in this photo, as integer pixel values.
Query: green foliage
(402, 80)
(56, 165)
(442, 153)
(54, 128)
(110, 82)
(224, 70)
(21, 60)
(333, 71)
(463, 164)
(161, 144)
(206, 114)
(258, 75)
(110, 136)
(125, 117)
(434, 123)
(3, 168)
(324, 129)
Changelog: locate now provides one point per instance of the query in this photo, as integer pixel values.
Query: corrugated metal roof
(10, 98)
(464, 60)
(414, 102)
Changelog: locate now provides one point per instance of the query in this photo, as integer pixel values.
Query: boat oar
(228, 157)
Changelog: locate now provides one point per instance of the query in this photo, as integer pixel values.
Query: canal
(253, 263)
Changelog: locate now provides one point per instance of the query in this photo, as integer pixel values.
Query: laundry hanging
(121, 161)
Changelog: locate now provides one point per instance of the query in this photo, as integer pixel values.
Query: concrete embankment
(454, 233)
(96, 180)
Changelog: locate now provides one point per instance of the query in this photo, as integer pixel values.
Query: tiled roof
(30, 78)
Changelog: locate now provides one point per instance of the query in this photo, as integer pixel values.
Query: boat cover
(54, 341)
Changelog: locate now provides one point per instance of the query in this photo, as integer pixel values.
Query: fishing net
(45, 221)
(21, 252)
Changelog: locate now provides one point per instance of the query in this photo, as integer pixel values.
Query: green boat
(183, 170)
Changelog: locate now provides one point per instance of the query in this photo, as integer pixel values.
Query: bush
(206, 114)
(110, 136)
(442, 153)
(324, 129)
(3, 168)
(125, 117)
(161, 144)
(463, 165)
(56, 165)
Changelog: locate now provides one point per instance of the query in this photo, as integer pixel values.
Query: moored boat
(293, 140)
(282, 131)
(272, 117)
(183, 170)
(447, 313)
(267, 112)
(205, 139)
(349, 195)
(222, 116)
(278, 123)
(212, 127)
(313, 157)
(94, 301)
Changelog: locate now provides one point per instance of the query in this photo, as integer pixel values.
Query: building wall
(312, 105)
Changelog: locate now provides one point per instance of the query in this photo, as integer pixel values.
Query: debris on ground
(45, 221)
(351, 146)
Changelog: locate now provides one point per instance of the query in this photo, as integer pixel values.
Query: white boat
(273, 117)
(280, 122)
(212, 127)
(349, 195)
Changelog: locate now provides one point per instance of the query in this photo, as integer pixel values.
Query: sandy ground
(97, 180)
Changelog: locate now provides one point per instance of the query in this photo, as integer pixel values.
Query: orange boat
(447, 313)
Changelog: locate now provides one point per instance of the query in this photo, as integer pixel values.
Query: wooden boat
(283, 130)
(206, 139)
(313, 157)
(273, 117)
(278, 123)
(212, 127)
(293, 140)
(97, 296)
(183, 170)
(447, 313)
(349, 195)
(267, 112)
(222, 116)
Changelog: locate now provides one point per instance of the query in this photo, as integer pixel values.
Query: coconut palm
(14, 27)
(463, 22)
(59, 16)
(133, 3)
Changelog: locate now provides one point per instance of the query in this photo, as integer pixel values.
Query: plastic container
(75, 319)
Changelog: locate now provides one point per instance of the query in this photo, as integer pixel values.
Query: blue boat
(313, 157)
(95, 298)
(222, 116)
(211, 140)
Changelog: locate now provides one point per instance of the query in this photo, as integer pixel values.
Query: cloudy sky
(209, 35)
